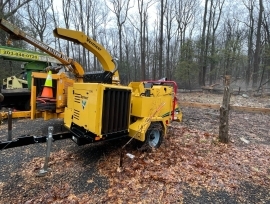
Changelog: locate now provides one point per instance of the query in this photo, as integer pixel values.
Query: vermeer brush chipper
(95, 106)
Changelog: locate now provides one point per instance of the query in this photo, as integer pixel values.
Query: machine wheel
(154, 135)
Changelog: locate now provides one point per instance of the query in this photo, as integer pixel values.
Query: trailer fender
(138, 129)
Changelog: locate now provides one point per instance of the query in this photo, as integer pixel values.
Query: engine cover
(98, 109)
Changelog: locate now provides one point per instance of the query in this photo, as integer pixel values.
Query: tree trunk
(162, 10)
(256, 66)
(224, 113)
(202, 52)
(213, 48)
(250, 45)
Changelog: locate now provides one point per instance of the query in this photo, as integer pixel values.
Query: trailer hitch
(30, 139)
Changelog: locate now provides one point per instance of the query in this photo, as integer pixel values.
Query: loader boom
(17, 34)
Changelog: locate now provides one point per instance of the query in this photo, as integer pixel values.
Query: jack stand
(43, 171)
(9, 138)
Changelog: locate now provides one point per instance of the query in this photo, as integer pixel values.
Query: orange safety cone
(47, 91)
(46, 102)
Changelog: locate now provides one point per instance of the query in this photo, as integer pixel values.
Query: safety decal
(84, 103)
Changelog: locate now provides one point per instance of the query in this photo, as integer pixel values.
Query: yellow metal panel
(47, 115)
(21, 114)
(68, 117)
(161, 90)
(60, 102)
(139, 128)
(146, 106)
(137, 88)
(70, 97)
(62, 89)
(41, 75)
(16, 114)
(86, 106)
(33, 101)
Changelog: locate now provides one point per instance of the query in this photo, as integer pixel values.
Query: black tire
(154, 135)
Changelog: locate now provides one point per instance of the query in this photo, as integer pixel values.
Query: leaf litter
(190, 162)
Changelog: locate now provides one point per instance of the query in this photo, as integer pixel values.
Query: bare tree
(143, 7)
(66, 10)
(230, 54)
(135, 57)
(98, 16)
(83, 18)
(143, 21)
(250, 24)
(156, 52)
(185, 12)
(120, 9)
(163, 6)
(39, 17)
(56, 22)
(256, 66)
(202, 60)
(8, 8)
(216, 13)
(266, 22)
(169, 18)
(128, 52)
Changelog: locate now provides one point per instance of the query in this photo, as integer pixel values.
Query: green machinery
(35, 61)
(16, 88)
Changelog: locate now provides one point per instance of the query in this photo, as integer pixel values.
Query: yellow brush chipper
(95, 106)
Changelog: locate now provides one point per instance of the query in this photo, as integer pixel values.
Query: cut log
(224, 112)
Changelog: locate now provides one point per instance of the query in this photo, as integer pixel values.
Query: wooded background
(195, 42)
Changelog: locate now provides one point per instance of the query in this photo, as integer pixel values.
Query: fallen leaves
(58, 161)
(190, 158)
(58, 194)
